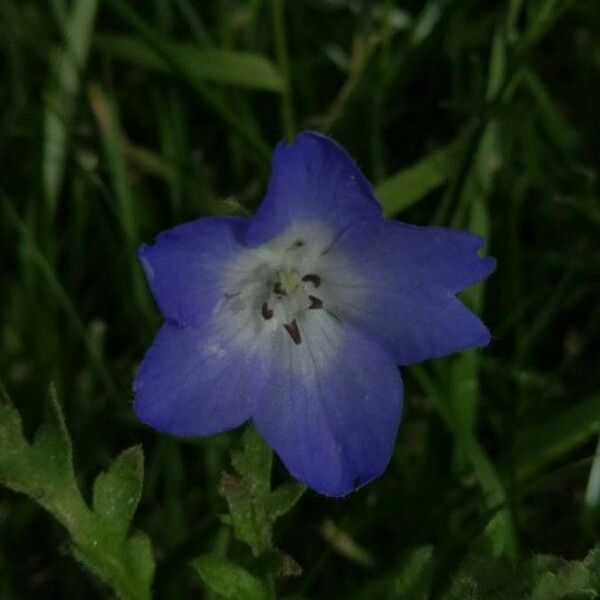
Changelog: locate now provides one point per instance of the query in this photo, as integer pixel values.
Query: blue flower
(298, 318)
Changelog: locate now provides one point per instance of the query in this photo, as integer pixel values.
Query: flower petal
(185, 266)
(199, 381)
(333, 406)
(313, 179)
(404, 293)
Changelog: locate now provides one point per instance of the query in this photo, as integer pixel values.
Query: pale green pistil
(286, 282)
(292, 304)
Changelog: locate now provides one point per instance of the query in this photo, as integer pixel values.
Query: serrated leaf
(49, 456)
(223, 66)
(141, 559)
(282, 499)
(52, 451)
(254, 461)
(574, 578)
(253, 507)
(248, 515)
(592, 563)
(44, 471)
(4, 397)
(127, 565)
(57, 419)
(117, 492)
(229, 580)
(11, 433)
(487, 577)
(13, 445)
(542, 577)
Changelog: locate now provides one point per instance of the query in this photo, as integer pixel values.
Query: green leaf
(484, 577)
(117, 492)
(282, 499)
(44, 471)
(247, 495)
(481, 576)
(254, 461)
(13, 446)
(557, 579)
(592, 563)
(52, 448)
(573, 578)
(4, 397)
(222, 66)
(405, 188)
(228, 580)
(253, 507)
(141, 560)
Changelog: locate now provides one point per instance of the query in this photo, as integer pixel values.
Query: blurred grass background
(122, 118)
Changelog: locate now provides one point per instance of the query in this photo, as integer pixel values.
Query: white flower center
(287, 281)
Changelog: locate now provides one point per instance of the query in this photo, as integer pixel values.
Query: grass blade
(539, 445)
(407, 187)
(215, 102)
(62, 93)
(62, 298)
(112, 140)
(501, 528)
(241, 69)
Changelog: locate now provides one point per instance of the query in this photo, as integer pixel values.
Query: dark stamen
(292, 329)
(314, 279)
(278, 289)
(297, 244)
(266, 312)
(315, 302)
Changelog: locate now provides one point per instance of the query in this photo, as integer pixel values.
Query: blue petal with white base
(298, 318)
(334, 406)
(185, 266)
(313, 180)
(403, 287)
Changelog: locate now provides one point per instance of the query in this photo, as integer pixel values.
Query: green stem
(279, 35)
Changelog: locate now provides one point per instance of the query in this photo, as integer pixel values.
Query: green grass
(122, 118)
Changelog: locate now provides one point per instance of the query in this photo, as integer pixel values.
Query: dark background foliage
(507, 92)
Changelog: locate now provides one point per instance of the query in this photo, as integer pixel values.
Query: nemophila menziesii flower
(299, 318)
